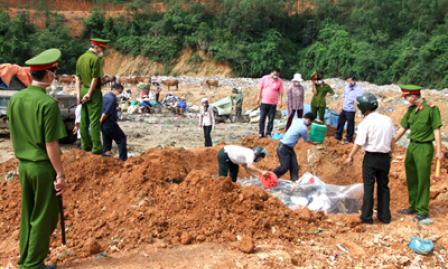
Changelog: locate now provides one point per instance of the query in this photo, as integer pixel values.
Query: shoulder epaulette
(430, 105)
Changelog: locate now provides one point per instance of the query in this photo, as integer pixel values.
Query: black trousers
(238, 112)
(208, 139)
(288, 161)
(291, 117)
(111, 131)
(226, 165)
(267, 110)
(376, 166)
(349, 117)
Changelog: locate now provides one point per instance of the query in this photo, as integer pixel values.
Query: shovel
(61, 211)
(437, 176)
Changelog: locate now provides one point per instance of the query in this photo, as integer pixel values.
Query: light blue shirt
(350, 95)
(297, 130)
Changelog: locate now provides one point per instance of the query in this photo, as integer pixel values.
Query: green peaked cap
(410, 87)
(47, 57)
(313, 75)
(100, 40)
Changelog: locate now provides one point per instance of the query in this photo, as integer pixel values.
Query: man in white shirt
(376, 136)
(231, 156)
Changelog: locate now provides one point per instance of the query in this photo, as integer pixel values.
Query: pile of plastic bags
(311, 192)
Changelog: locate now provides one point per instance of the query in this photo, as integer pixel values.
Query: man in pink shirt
(271, 95)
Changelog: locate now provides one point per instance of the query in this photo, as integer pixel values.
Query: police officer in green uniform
(423, 118)
(238, 98)
(89, 71)
(36, 125)
(321, 91)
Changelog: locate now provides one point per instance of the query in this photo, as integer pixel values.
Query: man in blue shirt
(285, 150)
(109, 127)
(347, 110)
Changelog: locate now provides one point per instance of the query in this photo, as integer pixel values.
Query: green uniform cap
(45, 60)
(99, 42)
(409, 89)
(314, 75)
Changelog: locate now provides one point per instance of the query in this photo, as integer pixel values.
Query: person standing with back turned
(36, 125)
(376, 136)
(423, 118)
(89, 71)
(271, 94)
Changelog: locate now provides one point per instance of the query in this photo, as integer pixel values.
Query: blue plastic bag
(421, 246)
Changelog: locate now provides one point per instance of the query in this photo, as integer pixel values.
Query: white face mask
(119, 96)
(319, 82)
(406, 102)
(296, 83)
(100, 54)
(45, 83)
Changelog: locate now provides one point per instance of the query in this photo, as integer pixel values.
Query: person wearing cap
(231, 156)
(89, 71)
(36, 125)
(347, 110)
(321, 91)
(181, 106)
(109, 127)
(376, 137)
(238, 99)
(423, 118)
(145, 104)
(206, 121)
(270, 95)
(296, 95)
(157, 90)
(285, 150)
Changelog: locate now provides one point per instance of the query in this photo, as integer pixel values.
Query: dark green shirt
(34, 120)
(319, 99)
(422, 122)
(89, 67)
(238, 100)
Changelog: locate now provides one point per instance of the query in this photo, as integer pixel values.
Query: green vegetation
(19, 40)
(379, 41)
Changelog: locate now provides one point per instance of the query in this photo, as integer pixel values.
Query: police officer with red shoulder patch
(423, 119)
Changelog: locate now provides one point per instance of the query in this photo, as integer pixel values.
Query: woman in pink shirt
(295, 99)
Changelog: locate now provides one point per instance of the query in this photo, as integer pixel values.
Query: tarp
(313, 193)
(331, 116)
(7, 71)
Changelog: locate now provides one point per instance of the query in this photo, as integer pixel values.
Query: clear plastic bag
(311, 192)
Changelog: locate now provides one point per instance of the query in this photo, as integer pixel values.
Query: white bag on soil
(311, 192)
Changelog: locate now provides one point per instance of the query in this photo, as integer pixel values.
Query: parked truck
(67, 106)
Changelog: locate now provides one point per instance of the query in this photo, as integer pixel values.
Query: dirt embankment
(126, 65)
(171, 197)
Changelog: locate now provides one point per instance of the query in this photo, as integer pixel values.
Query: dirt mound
(171, 196)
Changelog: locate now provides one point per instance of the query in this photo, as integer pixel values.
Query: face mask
(257, 159)
(275, 77)
(100, 54)
(319, 82)
(119, 95)
(406, 102)
(296, 83)
(307, 124)
(352, 84)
